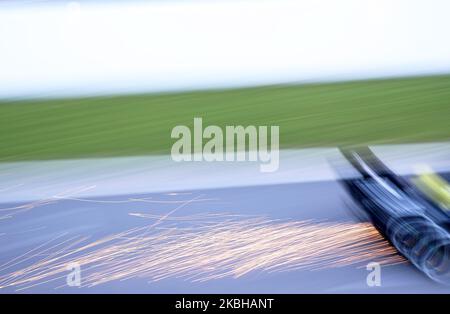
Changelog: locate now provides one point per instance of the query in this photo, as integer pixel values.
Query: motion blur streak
(211, 248)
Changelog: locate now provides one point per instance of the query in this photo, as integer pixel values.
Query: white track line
(32, 180)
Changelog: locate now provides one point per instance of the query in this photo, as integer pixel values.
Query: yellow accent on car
(435, 187)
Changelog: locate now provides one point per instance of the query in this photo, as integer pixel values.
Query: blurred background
(376, 72)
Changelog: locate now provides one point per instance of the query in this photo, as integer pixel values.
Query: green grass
(365, 112)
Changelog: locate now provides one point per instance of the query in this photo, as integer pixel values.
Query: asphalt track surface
(272, 238)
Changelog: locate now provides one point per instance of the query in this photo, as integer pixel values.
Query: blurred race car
(413, 225)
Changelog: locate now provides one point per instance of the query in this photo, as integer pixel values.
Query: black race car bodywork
(413, 225)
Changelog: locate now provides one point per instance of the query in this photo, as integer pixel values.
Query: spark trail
(211, 248)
